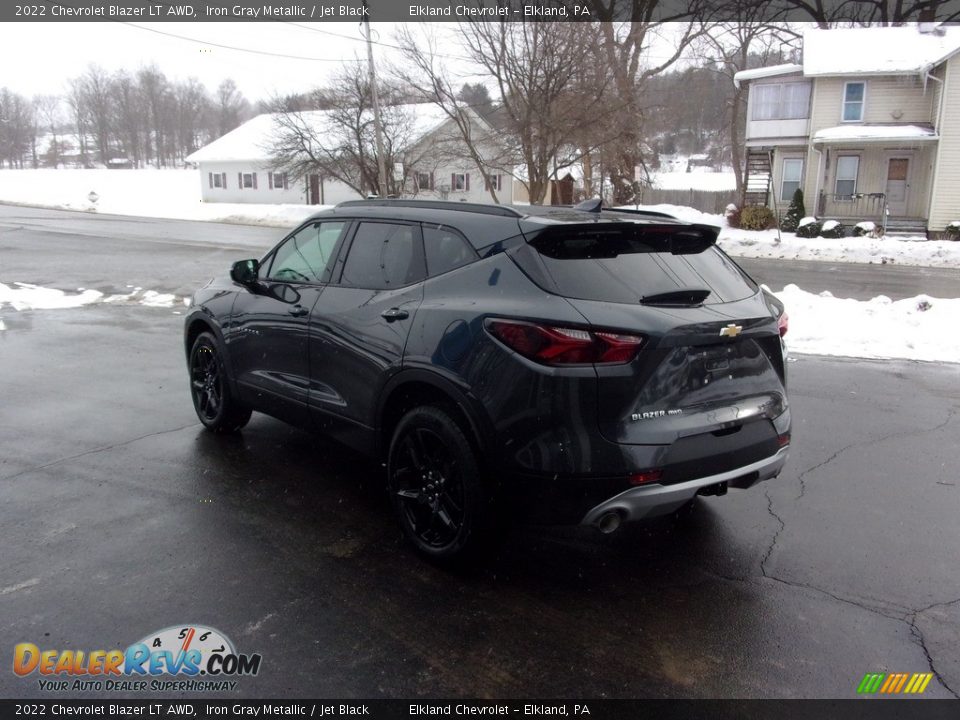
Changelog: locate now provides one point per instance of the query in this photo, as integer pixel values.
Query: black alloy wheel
(215, 406)
(435, 484)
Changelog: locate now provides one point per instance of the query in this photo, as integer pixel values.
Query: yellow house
(868, 126)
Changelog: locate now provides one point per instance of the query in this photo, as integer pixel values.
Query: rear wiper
(677, 298)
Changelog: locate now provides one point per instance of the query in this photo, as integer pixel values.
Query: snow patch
(806, 221)
(24, 296)
(911, 329)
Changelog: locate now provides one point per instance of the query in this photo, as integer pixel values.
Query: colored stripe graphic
(894, 683)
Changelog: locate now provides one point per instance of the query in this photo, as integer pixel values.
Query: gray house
(868, 126)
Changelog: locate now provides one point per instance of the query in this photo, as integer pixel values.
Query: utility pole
(377, 124)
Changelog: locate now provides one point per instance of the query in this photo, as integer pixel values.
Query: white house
(237, 168)
(868, 126)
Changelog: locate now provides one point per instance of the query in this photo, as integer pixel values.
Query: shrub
(831, 229)
(795, 212)
(808, 228)
(952, 231)
(757, 218)
(732, 214)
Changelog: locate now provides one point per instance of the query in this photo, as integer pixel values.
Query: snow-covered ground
(764, 244)
(148, 193)
(176, 194)
(699, 178)
(24, 296)
(916, 329)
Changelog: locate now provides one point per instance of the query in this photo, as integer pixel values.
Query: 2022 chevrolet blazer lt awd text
(594, 366)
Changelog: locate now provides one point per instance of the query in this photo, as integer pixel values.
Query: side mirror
(245, 271)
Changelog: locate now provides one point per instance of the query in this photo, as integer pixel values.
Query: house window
(217, 180)
(853, 96)
(248, 180)
(424, 181)
(278, 180)
(781, 101)
(458, 181)
(791, 178)
(847, 169)
(494, 181)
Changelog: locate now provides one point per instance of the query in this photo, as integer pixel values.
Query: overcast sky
(40, 57)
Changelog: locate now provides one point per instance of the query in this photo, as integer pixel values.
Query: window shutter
(270, 180)
(254, 181)
(467, 186)
(210, 179)
(240, 180)
(224, 181)
(431, 180)
(453, 181)
(285, 186)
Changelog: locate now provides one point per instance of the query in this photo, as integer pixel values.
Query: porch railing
(859, 206)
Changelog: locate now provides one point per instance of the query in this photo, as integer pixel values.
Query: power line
(238, 49)
(374, 42)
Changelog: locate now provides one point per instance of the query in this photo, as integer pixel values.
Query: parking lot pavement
(121, 516)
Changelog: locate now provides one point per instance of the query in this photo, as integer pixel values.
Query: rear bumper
(653, 500)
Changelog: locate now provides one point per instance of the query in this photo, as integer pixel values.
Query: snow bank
(913, 329)
(901, 251)
(681, 212)
(149, 193)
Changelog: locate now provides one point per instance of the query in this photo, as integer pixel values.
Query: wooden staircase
(758, 179)
(906, 227)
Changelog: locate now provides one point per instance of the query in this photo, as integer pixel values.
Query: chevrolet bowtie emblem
(731, 330)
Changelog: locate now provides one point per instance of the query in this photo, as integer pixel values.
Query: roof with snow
(252, 140)
(765, 72)
(875, 133)
(900, 50)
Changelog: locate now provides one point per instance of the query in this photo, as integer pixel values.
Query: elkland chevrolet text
(594, 366)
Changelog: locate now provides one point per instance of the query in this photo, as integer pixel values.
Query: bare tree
(756, 39)
(624, 46)
(425, 72)
(77, 101)
(48, 111)
(339, 143)
(231, 106)
(536, 67)
(17, 128)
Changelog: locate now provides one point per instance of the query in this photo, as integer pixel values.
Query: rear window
(613, 265)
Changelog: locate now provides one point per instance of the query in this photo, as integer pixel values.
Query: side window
(445, 250)
(383, 256)
(306, 256)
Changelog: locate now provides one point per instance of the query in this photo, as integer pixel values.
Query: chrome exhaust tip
(609, 522)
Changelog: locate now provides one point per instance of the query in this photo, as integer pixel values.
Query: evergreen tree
(795, 213)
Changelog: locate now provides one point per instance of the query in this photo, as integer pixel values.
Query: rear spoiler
(677, 239)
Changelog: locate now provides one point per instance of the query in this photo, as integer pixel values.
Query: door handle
(394, 314)
(298, 311)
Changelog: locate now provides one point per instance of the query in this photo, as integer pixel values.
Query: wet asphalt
(120, 516)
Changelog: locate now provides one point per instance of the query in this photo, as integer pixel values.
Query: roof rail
(479, 208)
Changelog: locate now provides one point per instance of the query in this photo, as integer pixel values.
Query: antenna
(592, 205)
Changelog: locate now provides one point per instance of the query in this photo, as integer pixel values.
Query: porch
(876, 173)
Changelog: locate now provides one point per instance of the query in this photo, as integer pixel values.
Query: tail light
(783, 323)
(558, 345)
(645, 477)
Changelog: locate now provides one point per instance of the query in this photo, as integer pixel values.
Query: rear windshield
(624, 267)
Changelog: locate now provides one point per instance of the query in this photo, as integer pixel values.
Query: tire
(216, 407)
(436, 488)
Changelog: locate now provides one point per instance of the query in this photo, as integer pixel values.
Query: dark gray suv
(589, 366)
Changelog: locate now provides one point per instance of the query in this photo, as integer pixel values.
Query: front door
(898, 172)
(314, 189)
(270, 324)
